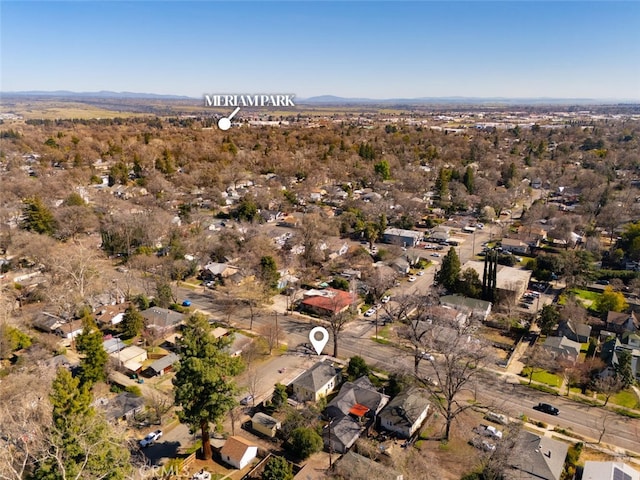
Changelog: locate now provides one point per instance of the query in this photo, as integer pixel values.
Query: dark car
(546, 408)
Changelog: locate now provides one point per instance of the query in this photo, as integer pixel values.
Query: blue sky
(352, 49)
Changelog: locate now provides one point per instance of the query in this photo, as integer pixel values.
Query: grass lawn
(625, 398)
(585, 294)
(544, 377)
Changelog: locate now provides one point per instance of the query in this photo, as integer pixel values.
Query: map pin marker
(319, 344)
(225, 122)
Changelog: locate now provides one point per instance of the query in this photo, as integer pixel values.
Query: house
(265, 424)
(622, 322)
(401, 265)
(612, 348)
(130, 358)
(578, 332)
(405, 413)
(514, 245)
(340, 435)
(122, 407)
(217, 271)
(48, 322)
(561, 348)
(162, 365)
(510, 282)
(316, 382)
(360, 394)
(111, 314)
(404, 238)
(238, 452)
(328, 302)
(161, 319)
(440, 234)
(238, 345)
(356, 467)
(470, 306)
(69, 330)
(608, 471)
(351, 411)
(536, 458)
(113, 344)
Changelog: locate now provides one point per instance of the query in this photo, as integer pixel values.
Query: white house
(238, 452)
(608, 471)
(317, 382)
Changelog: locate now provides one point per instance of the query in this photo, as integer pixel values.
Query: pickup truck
(488, 431)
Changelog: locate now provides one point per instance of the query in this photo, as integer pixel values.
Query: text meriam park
(249, 100)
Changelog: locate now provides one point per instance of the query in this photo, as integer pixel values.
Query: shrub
(304, 442)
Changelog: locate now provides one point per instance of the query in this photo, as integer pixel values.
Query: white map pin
(225, 122)
(319, 344)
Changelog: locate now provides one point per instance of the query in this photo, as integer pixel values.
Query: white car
(488, 431)
(386, 299)
(370, 312)
(412, 278)
(427, 356)
(151, 438)
(421, 273)
(435, 254)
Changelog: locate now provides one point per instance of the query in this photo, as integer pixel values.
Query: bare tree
(272, 333)
(159, 404)
(461, 358)
(608, 385)
(537, 360)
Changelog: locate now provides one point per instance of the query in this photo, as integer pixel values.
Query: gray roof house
(404, 238)
(361, 392)
(536, 458)
(354, 408)
(405, 413)
(578, 332)
(316, 382)
(122, 407)
(161, 318)
(473, 306)
(341, 434)
(561, 348)
(356, 467)
(162, 365)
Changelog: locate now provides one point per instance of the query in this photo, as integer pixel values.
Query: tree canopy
(449, 272)
(203, 384)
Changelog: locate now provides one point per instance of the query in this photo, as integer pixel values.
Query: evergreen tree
(442, 184)
(279, 397)
(94, 361)
(277, 468)
(132, 322)
(383, 169)
(357, 368)
(304, 442)
(468, 179)
(37, 217)
(470, 284)
(449, 271)
(269, 272)
(82, 444)
(623, 368)
(549, 317)
(203, 387)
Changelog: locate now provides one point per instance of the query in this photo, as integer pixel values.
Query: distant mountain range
(100, 94)
(335, 100)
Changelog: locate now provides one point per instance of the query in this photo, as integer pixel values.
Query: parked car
(482, 444)
(412, 278)
(488, 431)
(420, 273)
(386, 299)
(497, 418)
(246, 400)
(435, 254)
(151, 438)
(427, 356)
(370, 312)
(186, 303)
(546, 408)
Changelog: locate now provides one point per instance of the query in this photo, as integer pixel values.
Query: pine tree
(277, 468)
(203, 387)
(468, 179)
(132, 322)
(449, 272)
(82, 444)
(37, 217)
(94, 362)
